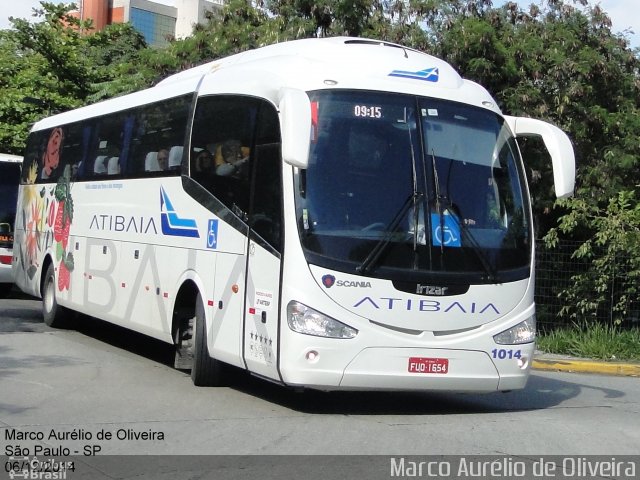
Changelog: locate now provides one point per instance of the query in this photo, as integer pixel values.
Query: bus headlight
(524, 332)
(303, 319)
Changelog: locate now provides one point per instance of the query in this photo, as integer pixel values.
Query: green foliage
(29, 91)
(604, 342)
(57, 41)
(613, 252)
(114, 54)
(55, 63)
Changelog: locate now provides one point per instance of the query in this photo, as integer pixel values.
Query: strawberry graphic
(61, 225)
(65, 233)
(62, 222)
(64, 272)
(64, 277)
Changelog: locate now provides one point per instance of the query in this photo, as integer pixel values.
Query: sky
(624, 14)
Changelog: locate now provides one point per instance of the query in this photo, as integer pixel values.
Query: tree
(29, 92)
(49, 65)
(115, 55)
(57, 41)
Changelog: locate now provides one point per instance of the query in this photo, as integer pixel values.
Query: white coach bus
(332, 213)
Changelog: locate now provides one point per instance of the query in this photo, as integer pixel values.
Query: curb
(586, 366)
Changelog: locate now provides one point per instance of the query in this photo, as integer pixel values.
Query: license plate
(428, 365)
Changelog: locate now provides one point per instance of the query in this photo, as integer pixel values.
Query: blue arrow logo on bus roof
(171, 223)
(428, 74)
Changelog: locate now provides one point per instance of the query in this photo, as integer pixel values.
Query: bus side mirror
(295, 126)
(559, 146)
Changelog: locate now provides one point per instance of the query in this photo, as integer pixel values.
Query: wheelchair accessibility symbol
(212, 234)
(445, 231)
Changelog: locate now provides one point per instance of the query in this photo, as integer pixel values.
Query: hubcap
(49, 293)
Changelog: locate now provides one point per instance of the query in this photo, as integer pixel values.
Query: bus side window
(72, 150)
(50, 161)
(157, 137)
(266, 215)
(266, 203)
(226, 121)
(108, 142)
(31, 163)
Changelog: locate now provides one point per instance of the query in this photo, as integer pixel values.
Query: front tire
(206, 371)
(52, 313)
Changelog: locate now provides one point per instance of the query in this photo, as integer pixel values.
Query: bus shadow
(541, 391)
(14, 293)
(123, 339)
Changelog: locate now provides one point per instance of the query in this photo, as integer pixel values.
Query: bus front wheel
(52, 313)
(206, 371)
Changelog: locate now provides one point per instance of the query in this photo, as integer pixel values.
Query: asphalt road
(104, 390)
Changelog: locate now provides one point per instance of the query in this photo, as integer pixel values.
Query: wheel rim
(49, 295)
(191, 337)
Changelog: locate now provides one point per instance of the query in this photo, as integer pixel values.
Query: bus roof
(308, 64)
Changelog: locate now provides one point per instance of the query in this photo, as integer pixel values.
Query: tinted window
(9, 181)
(236, 156)
(221, 142)
(266, 209)
(127, 144)
(157, 136)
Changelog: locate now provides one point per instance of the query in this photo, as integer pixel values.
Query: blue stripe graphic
(171, 223)
(427, 75)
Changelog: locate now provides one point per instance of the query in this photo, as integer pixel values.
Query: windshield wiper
(439, 199)
(492, 274)
(391, 229)
(443, 203)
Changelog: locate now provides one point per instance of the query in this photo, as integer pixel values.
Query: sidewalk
(565, 363)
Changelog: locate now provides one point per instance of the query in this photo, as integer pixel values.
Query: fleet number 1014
(505, 353)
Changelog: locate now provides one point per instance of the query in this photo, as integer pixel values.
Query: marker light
(303, 319)
(524, 332)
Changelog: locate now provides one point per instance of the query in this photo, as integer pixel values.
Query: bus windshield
(401, 185)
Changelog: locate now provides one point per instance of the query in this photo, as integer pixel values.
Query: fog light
(523, 362)
(312, 356)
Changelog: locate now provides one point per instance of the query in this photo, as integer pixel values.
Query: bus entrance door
(261, 316)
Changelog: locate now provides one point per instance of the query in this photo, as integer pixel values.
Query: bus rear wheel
(52, 313)
(206, 371)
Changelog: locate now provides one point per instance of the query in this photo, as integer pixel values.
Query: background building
(156, 21)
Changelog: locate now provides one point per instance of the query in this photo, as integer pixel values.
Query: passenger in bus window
(204, 162)
(231, 158)
(163, 158)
